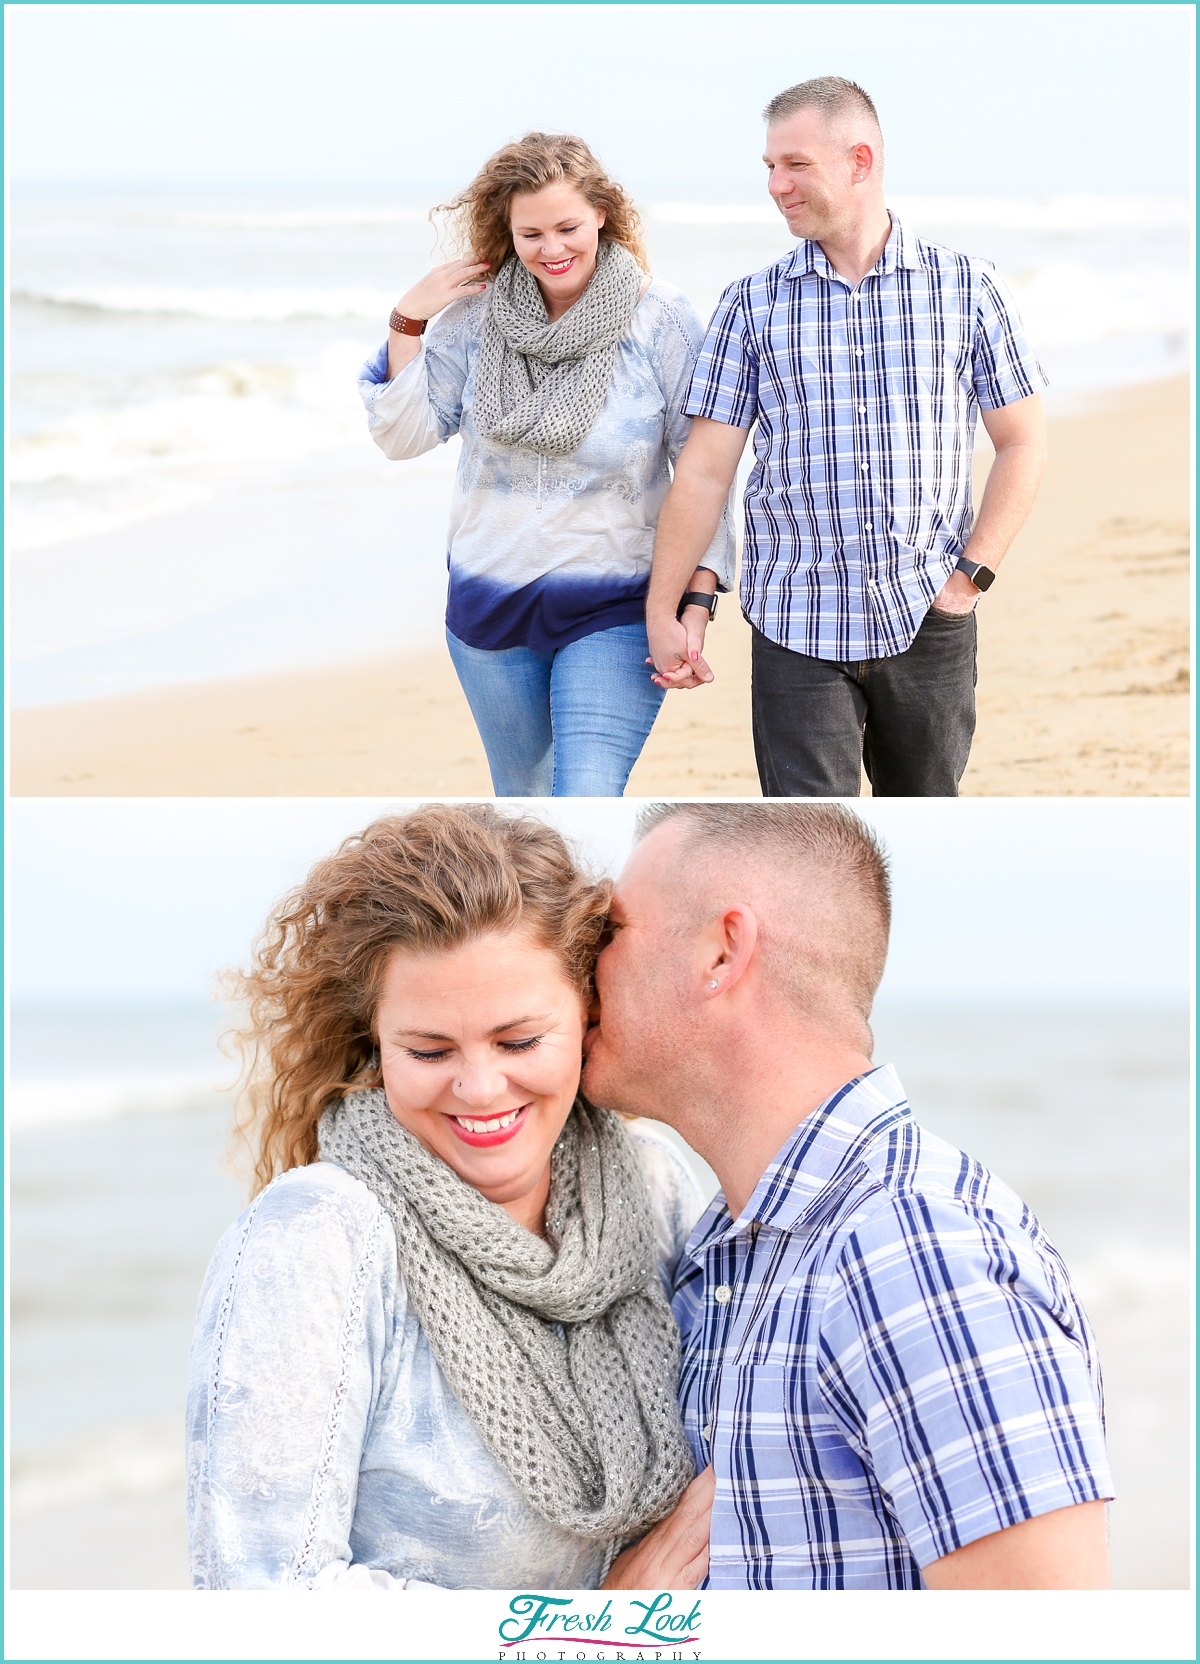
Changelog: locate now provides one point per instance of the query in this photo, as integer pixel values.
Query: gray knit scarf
(539, 384)
(564, 1353)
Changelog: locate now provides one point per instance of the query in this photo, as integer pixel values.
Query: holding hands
(676, 650)
(674, 1553)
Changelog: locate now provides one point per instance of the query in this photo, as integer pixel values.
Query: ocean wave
(316, 219)
(33, 1104)
(1009, 213)
(1065, 304)
(220, 305)
(226, 416)
(124, 1459)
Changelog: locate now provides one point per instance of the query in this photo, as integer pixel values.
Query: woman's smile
(485, 1132)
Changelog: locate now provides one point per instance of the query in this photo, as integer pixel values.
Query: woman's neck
(530, 1209)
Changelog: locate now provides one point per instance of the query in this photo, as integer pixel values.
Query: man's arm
(687, 525)
(1065, 1549)
(1018, 431)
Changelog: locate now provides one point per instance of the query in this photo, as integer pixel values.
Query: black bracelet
(697, 598)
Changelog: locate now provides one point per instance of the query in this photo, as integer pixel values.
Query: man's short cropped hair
(838, 100)
(822, 849)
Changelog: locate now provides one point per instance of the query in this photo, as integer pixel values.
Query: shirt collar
(900, 250)
(824, 1145)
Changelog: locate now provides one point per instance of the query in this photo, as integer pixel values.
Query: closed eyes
(445, 1051)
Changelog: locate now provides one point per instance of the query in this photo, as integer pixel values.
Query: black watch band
(697, 598)
(980, 575)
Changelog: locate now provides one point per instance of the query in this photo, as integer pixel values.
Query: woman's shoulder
(666, 310)
(676, 1198)
(461, 323)
(307, 1215)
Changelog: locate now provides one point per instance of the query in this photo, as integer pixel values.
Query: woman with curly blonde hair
(436, 1348)
(563, 365)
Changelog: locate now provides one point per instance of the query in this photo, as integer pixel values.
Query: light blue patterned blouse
(544, 550)
(325, 1448)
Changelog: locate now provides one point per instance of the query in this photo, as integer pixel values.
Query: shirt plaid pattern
(883, 1358)
(865, 400)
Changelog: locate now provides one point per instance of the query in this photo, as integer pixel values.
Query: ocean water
(119, 1194)
(193, 493)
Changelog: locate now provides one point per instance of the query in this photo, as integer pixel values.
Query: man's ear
(862, 161)
(733, 940)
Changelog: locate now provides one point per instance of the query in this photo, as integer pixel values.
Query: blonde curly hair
(427, 881)
(480, 216)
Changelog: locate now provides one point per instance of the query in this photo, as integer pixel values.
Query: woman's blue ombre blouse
(543, 550)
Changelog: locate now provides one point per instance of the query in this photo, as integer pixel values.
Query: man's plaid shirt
(883, 1358)
(859, 502)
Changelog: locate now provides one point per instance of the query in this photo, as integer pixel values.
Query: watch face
(983, 577)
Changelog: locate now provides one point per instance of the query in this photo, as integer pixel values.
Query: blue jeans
(570, 723)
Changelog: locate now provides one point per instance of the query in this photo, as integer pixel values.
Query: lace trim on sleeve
(351, 1334)
(221, 1327)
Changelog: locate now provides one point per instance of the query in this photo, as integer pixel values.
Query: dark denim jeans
(907, 720)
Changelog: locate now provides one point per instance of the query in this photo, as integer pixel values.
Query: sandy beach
(1083, 674)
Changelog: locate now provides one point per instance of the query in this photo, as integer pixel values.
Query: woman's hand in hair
(443, 284)
(674, 1553)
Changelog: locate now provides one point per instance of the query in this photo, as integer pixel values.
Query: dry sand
(1083, 672)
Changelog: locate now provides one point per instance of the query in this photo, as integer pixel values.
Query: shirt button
(858, 352)
(723, 1295)
(708, 1431)
(868, 526)
(871, 584)
(862, 410)
(866, 467)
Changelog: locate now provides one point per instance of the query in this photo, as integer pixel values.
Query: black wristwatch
(980, 575)
(697, 598)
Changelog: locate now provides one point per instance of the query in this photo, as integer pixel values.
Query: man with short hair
(883, 1358)
(862, 360)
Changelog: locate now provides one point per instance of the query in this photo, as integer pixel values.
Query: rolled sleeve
(958, 1372)
(1003, 366)
(724, 385)
(400, 417)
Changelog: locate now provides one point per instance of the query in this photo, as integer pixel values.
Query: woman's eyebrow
(539, 1017)
(428, 1034)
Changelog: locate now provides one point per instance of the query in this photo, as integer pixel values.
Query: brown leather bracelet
(406, 326)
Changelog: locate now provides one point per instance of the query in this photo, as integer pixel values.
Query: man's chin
(601, 1084)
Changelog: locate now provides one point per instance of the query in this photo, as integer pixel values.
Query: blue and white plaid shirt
(883, 1358)
(865, 399)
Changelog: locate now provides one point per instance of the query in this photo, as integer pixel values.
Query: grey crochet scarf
(540, 385)
(564, 1353)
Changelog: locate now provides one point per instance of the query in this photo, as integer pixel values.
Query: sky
(1068, 902)
(1008, 100)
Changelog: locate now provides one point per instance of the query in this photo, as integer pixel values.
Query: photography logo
(623, 1628)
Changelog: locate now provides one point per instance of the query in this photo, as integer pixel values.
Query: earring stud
(712, 985)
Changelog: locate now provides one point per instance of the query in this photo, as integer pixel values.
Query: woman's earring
(374, 1062)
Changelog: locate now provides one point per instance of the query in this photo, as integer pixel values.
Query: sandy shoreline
(1083, 675)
